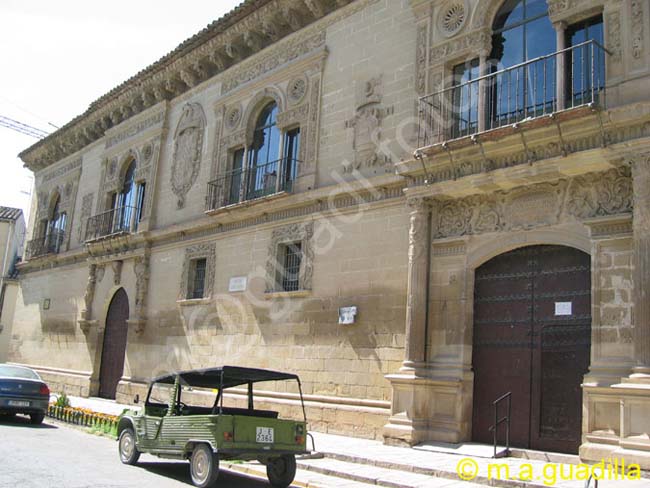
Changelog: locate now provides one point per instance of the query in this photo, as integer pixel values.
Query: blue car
(23, 391)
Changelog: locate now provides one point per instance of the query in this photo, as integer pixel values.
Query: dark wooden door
(532, 337)
(114, 349)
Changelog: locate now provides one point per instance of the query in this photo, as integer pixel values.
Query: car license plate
(264, 435)
(18, 403)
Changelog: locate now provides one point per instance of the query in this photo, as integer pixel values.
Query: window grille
(291, 269)
(197, 284)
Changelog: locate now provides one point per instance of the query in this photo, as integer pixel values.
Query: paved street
(52, 455)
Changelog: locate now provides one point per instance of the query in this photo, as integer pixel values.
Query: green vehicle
(171, 426)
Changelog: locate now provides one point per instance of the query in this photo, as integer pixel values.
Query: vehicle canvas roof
(232, 376)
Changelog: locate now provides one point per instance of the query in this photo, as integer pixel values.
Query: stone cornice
(246, 30)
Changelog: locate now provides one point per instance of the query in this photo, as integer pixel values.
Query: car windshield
(7, 371)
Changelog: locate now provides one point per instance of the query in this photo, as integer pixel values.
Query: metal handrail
(498, 421)
(49, 243)
(567, 78)
(119, 220)
(242, 184)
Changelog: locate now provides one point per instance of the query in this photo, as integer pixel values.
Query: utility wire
(22, 128)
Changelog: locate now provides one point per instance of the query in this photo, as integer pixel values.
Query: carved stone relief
(614, 34)
(302, 233)
(199, 251)
(638, 19)
(367, 126)
(452, 16)
(117, 272)
(297, 90)
(86, 213)
(141, 269)
(421, 59)
(584, 197)
(471, 43)
(188, 149)
(233, 116)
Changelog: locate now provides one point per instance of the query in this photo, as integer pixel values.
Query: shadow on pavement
(180, 471)
(23, 421)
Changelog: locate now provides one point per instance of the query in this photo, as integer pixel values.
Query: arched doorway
(532, 337)
(114, 348)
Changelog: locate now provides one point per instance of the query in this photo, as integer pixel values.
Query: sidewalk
(373, 463)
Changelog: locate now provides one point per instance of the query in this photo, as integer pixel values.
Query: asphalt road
(53, 455)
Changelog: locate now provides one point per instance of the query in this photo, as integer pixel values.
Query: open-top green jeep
(170, 426)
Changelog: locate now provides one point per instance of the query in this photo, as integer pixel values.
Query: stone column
(417, 292)
(482, 93)
(641, 269)
(560, 28)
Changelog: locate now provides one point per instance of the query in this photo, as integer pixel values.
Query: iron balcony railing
(120, 220)
(565, 79)
(48, 244)
(250, 183)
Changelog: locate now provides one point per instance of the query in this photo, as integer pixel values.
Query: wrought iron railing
(48, 244)
(120, 220)
(507, 397)
(565, 79)
(249, 183)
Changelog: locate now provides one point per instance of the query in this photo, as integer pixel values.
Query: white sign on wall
(237, 283)
(563, 308)
(347, 315)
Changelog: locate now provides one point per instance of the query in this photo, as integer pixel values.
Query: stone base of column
(640, 376)
(428, 409)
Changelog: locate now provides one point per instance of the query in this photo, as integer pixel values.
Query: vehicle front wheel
(204, 466)
(281, 471)
(129, 453)
(36, 418)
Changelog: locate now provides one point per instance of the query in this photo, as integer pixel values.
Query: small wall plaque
(563, 308)
(46, 304)
(237, 283)
(347, 315)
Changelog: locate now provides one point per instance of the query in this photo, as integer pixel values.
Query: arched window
(264, 153)
(55, 227)
(522, 31)
(128, 203)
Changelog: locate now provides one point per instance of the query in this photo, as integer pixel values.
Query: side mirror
(136, 399)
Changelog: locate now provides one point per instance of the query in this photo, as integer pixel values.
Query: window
(264, 154)
(465, 99)
(234, 176)
(522, 31)
(128, 204)
(291, 151)
(54, 231)
(585, 70)
(290, 273)
(196, 286)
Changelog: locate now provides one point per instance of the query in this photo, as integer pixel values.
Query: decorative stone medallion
(188, 145)
(233, 117)
(296, 90)
(452, 17)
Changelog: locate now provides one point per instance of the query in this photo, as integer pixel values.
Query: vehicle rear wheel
(204, 466)
(281, 471)
(36, 418)
(129, 453)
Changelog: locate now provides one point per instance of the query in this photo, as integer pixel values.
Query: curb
(252, 471)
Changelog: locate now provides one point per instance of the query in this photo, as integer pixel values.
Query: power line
(22, 128)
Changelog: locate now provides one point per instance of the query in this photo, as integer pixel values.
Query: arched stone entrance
(114, 345)
(532, 337)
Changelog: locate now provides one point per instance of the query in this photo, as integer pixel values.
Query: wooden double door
(114, 345)
(532, 337)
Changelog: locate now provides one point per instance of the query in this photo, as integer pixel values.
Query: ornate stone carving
(188, 149)
(421, 59)
(309, 154)
(117, 272)
(452, 17)
(367, 126)
(473, 42)
(86, 212)
(597, 195)
(302, 233)
(638, 19)
(61, 171)
(297, 89)
(557, 6)
(135, 129)
(141, 269)
(101, 270)
(233, 117)
(199, 251)
(584, 197)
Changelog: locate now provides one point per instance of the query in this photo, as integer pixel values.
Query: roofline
(222, 44)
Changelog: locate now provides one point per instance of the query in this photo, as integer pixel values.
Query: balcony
(241, 185)
(117, 221)
(544, 90)
(44, 245)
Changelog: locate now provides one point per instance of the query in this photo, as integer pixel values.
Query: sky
(56, 57)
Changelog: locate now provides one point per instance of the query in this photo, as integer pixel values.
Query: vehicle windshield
(7, 371)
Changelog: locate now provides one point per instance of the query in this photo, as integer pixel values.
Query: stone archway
(114, 345)
(532, 337)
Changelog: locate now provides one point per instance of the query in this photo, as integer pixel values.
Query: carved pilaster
(641, 277)
(86, 314)
(418, 270)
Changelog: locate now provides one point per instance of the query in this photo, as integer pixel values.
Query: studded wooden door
(114, 349)
(532, 337)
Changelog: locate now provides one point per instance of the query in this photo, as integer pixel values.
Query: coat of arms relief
(367, 122)
(188, 148)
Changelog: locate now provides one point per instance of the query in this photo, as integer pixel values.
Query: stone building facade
(485, 209)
